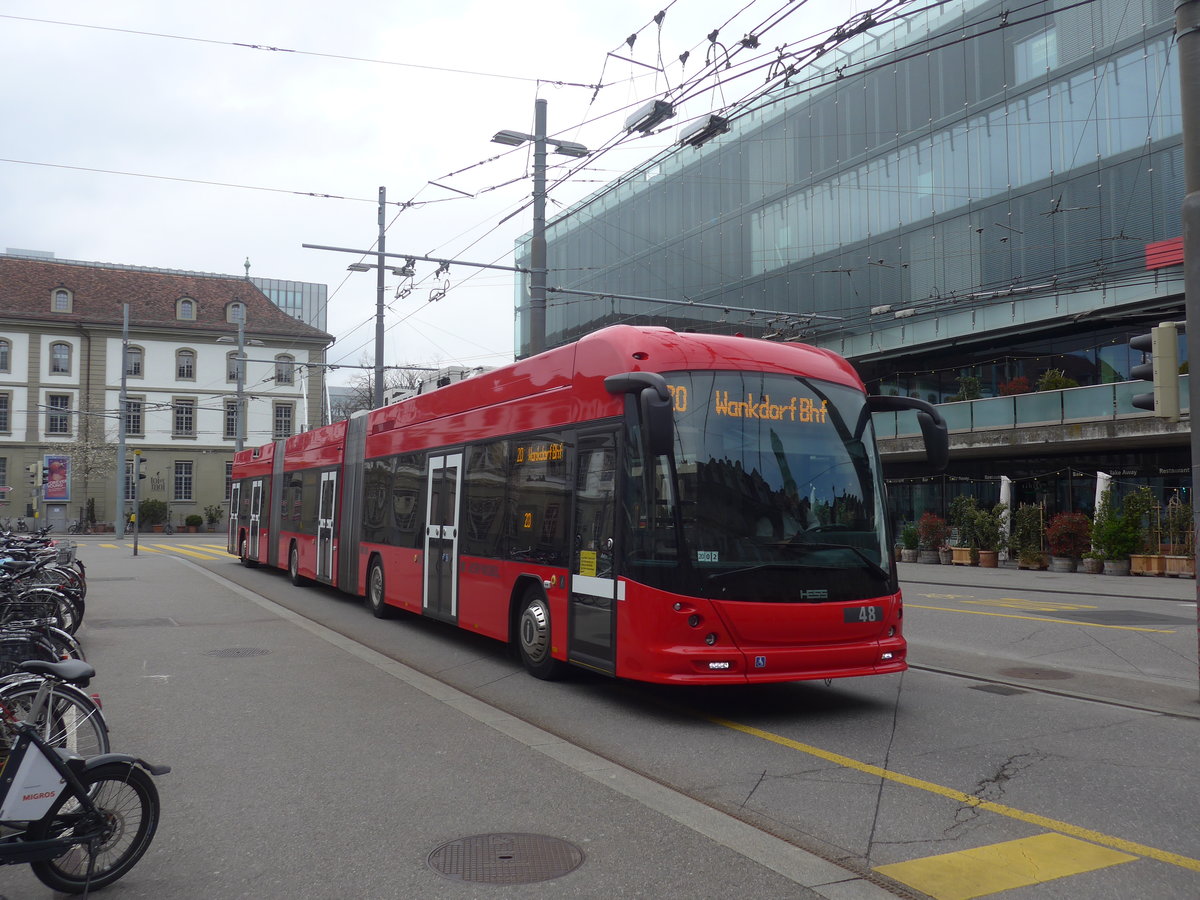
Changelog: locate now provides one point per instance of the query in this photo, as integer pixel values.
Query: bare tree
(359, 393)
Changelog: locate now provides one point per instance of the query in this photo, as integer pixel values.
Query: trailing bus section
(658, 506)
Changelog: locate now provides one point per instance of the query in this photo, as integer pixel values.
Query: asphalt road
(981, 759)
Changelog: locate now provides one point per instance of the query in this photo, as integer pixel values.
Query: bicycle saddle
(72, 671)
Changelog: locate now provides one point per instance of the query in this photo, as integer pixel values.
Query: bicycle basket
(44, 606)
(18, 646)
(66, 552)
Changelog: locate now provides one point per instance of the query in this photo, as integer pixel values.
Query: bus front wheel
(533, 638)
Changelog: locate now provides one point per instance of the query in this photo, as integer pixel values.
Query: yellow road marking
(1002, 867)
(980, 612)
(1083, 834)
(1018, 603)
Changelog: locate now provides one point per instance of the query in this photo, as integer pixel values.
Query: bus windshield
(776, 493)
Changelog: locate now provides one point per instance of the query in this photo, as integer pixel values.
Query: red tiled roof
(99, 293)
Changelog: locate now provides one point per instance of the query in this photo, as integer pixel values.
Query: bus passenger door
(325, 525)
(595, 590)
(235, 502)
(256, 492)
(441, 537)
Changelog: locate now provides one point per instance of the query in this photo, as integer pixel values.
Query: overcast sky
(220, 143)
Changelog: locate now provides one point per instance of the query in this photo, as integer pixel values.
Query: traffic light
(31, 474)
(140, 472)
(45, 474)
(1162, 343)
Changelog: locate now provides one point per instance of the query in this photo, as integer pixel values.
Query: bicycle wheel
(72, 719)
(128, 817)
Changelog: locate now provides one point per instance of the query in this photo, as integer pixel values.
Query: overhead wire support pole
(1187, 35)
(378, 399)
(537, 243)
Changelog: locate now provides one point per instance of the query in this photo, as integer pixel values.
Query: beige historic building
(61, 382)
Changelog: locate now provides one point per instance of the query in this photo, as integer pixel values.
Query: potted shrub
(1181, 539)
(1069, 536)
(1091, 563)
(193, 523)
(1117, 533)
(1026, 541)
(987, 534)
(962, 513)
(153, 513)
(1056, 380)
(213, 514)
(1018, 385)
(910, 540)
(932, 533)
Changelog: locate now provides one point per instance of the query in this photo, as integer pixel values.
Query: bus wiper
(873, 567)
(745, 570)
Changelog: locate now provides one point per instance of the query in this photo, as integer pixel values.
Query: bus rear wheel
(244, 555)
(294, 567)
(533, 638)
(375, 592)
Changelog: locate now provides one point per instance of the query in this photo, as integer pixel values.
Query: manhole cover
(238, 651)
(1002, 689)
(505, 858)
(1037, 674)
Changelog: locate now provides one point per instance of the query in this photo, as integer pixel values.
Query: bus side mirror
(933, 426)
(658, 423)
(655, 408)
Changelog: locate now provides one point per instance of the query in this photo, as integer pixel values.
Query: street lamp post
(537, 245)
(239, 434)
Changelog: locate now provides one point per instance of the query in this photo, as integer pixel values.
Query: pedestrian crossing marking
(986, 870)
(185, 551)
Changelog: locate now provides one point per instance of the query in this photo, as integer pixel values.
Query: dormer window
(235, 312)
(60, 301)
(185, 309)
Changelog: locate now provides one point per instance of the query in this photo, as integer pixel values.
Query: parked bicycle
(80, 823)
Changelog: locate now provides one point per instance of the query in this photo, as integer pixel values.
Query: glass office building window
(993, 159)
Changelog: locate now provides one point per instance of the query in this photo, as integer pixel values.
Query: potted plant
(987, 534)
(213, 514)
(910, 540)
(153, 513)
(1181, 539)
(1117, 534)
(193, 523)
(1027, 534)
(932, 533)
(962, 513)
(1091, 563)
(1069, 536)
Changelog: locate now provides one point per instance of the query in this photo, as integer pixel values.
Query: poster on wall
(58, 478)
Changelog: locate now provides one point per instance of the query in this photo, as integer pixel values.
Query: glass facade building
(970, 192)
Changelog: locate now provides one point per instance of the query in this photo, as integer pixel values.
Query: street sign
(5, 488)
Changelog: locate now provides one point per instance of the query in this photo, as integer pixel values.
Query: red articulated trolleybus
(652, 505)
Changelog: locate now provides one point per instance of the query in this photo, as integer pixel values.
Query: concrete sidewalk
(1149, 587)
(306, 765)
